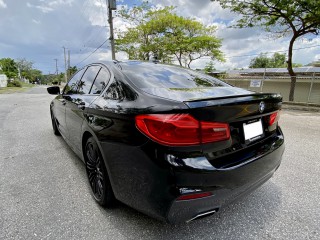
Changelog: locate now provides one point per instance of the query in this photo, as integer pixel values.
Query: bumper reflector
(194, 196)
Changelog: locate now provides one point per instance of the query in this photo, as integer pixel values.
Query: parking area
(44, 192)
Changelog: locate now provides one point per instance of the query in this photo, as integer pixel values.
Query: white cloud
(42, 8)
(60, 2)
(36, 21)
(238, 45)
(3, 4)
(46, 7)
(38, 29)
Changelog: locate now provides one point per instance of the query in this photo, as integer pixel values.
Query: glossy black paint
(149, 176)
(53, 90)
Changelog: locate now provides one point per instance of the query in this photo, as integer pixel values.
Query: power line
(91, 40)
(92, 52)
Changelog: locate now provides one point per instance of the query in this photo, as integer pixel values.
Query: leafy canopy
(162, 33)
(278, 60)
(282, 17)
(209, 67)
(12, 67)
(8, 67)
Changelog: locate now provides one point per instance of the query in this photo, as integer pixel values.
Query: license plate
(253, 130)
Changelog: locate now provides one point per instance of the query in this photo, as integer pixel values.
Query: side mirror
(55, 90)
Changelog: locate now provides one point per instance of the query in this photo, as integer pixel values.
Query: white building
(3, 80)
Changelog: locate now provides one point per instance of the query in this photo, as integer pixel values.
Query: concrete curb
(307, 107)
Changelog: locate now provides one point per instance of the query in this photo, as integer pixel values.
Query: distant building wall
(3, 80)
(307, 88)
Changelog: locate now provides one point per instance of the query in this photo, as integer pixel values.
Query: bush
(14, 83)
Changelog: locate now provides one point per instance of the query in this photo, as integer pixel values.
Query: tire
(54, 125)
(97, 175)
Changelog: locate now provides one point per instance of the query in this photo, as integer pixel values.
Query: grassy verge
(25, 86)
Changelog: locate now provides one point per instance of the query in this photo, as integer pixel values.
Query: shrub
(14, 83)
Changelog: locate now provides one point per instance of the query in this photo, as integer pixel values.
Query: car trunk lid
(249, 117)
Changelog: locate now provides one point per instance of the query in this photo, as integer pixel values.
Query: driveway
(44, 192)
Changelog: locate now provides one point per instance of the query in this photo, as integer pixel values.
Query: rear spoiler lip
(230, 100)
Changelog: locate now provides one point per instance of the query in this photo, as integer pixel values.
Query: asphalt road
(44, 192)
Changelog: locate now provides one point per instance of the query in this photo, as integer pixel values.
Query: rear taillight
(181, 129)
(273, 118)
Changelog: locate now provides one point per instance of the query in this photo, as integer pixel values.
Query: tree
(278, 60)
(314, 64)
(209, 67)
(8, 67)
(72, 70)
(24, 67)
(262, 61)
(283, 17)
(162, 33)
(34, 75)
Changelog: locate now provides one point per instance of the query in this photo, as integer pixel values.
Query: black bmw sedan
(170, 142)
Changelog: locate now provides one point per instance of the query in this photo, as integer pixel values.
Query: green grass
(8, 90)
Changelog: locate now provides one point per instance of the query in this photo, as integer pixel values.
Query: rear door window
(101, 81)
(88, 78)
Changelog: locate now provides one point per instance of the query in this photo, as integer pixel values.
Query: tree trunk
(190, 60)
(290, 69)
(179, 59)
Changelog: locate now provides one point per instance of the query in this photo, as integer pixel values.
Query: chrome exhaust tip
(201, 215)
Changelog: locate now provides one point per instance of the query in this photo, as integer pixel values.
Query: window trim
(85, 68)
(107, 84)
(63, 91)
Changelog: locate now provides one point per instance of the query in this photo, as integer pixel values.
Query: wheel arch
(85, 136)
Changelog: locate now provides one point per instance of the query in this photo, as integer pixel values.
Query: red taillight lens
(181, 129)
(194, 196)
(214, 132)
(274, 117)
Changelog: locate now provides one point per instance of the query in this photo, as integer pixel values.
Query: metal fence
(307, 88)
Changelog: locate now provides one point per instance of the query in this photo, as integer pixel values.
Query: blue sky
(38, 29)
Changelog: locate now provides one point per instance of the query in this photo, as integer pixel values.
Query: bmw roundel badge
(262, 107)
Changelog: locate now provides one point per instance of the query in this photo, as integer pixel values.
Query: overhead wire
(93, 36)
(92, 53)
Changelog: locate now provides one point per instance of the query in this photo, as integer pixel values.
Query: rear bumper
(226, 187)
(151, 182)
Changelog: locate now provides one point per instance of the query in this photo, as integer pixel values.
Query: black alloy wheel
(54, 125)
(97, 174)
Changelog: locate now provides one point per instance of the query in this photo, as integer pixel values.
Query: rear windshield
(150, 75)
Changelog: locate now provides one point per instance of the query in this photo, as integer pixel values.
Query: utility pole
(65, 64)
(112, 5)
(68, 65)
(56, 66)
(68, 59)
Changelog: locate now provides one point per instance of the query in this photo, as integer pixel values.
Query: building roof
(274, 70)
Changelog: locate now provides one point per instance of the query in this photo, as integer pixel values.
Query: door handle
(82, 105)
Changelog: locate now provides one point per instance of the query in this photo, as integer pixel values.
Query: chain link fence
(307, 88)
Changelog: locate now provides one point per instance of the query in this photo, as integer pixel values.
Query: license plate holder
(253, 130)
